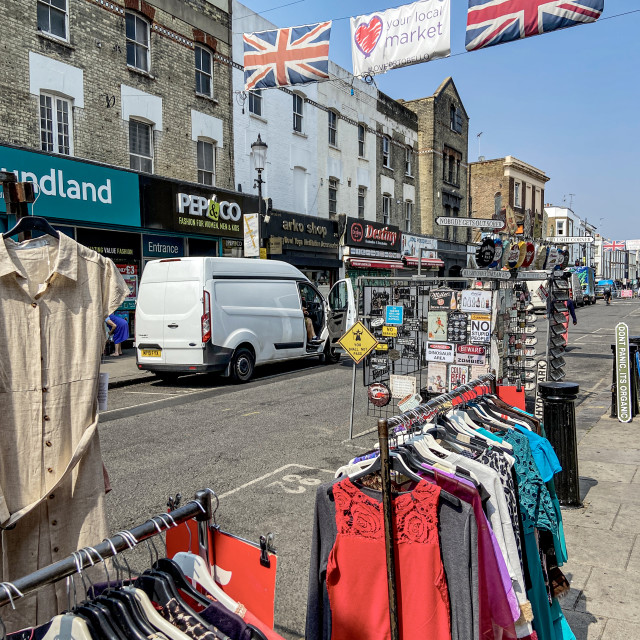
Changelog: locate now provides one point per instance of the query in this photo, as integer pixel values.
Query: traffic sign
(571, 239)
(358, 342)
(470, 222)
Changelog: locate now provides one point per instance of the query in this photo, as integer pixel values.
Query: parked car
(230, 315)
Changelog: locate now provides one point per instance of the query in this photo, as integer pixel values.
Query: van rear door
(183, 313)
(150, 314)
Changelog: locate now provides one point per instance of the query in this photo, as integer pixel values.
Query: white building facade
(563, 221)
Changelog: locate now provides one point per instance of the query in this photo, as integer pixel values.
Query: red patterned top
(357, 575)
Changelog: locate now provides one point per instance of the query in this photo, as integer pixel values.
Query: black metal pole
(199, 508)
(387, 507)
(558, 400)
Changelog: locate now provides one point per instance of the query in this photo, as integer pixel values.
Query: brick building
(443, 135)
(132, 83)
(508, 188)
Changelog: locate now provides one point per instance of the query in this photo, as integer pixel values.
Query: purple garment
(497, 602)
(122, 328)
(228, 622)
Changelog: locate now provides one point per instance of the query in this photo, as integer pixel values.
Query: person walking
(572, 310)
(607, 295)
(119, 329)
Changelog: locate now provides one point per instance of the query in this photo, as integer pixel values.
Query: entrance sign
(410, 34)
(485, 223)
(623, 374)
(394, 314)
(358, 342)
(571, 239)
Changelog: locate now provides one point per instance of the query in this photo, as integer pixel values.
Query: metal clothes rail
(198, 508)
(411, 418)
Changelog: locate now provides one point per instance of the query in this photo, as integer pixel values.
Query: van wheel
(242, 365)
(330, 356)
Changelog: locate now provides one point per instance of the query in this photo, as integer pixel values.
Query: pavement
(123, 370)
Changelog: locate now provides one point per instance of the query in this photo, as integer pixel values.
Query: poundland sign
(73, 190)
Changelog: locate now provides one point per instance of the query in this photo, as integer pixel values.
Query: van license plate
(151, 353)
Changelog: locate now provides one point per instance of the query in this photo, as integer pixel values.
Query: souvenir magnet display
(379, 394)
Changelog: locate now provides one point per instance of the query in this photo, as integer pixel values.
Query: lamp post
(259, 150)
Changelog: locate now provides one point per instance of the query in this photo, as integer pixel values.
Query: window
(298, 105)
(362, 193)
(255, 102)
(361, 134)
(386, 152)
(497, 204)
(451, 166)
(408, 215)
(408, 161)
(140, 146)
(206, 163)
(333, 128)
(333, 197)
(55, 125)
(52, 17)
(517, 194)
(137, 42)
(455, 119)
(560, 224)
(204, 72)
(386, 209)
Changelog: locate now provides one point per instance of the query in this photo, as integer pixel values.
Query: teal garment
(559, 542)
(543, 453)
(535, 502)
(491, 436)
(537, 594)
(561, 628)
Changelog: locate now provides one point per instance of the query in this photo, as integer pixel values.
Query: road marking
(155, 393)
(144, 404)
(251, 413)
(268, 475)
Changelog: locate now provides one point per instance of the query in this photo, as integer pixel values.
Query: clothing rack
(420, 414)
(198, 508)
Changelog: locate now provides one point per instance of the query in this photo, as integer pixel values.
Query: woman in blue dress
(119, 329)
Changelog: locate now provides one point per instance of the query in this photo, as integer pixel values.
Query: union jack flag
(491, 22)
(614, 245)
(295, 55)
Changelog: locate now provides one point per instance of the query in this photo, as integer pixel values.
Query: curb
(125, 382)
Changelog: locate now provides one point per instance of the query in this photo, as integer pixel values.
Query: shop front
(207, 219)
(416, 249)
(309, 243)
(454, 256)
(371, 249)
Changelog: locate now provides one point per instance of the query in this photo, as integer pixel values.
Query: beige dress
(54, 298)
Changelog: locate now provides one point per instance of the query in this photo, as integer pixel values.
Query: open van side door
(342, 310)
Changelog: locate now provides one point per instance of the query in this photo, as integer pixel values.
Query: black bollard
(558, 400)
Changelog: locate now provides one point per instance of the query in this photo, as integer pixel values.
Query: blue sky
(566, 102)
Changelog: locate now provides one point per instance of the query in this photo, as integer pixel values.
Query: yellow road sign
(391, 332)
(358, 342)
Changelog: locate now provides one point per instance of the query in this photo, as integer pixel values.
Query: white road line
(268, 475)
(144, 404)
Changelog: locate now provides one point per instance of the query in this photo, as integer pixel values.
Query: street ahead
(265, 446)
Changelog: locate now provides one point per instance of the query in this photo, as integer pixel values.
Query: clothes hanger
(32, 223)
(68, 626)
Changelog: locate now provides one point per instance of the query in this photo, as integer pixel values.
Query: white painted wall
(47, 74)
(289, 155)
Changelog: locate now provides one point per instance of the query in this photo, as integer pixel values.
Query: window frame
(202, 72)
(47, 3)
(206, 141)
(408, 215)
(255, 97)
(54, 132)
(332, 119)
(362, 201)
(386, 153)
(362, 148)
(408, 161)
(333, 188)
(136, 43)
(517, 194)
(386, 208)
(151, 157)
(298, 116)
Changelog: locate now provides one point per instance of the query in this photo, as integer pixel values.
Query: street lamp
(259, 150)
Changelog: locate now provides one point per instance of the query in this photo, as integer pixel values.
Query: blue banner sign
(73, 190)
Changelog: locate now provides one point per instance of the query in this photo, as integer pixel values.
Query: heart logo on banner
(368, 34)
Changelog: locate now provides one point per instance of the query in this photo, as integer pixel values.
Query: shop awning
(426, 262)
(375, 263)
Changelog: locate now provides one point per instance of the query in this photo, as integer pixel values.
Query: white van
(538, 301)
(230, 314)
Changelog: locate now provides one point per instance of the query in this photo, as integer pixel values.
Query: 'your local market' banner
(410, 34)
